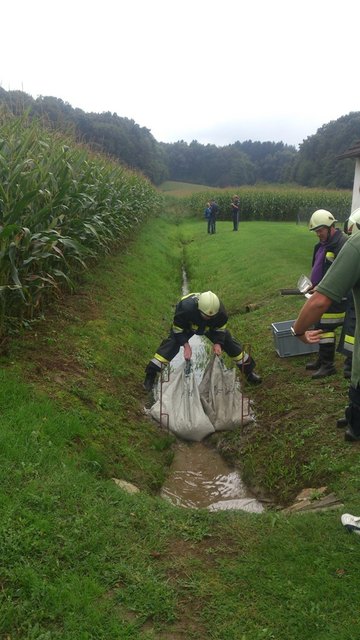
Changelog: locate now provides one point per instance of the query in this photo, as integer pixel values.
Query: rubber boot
(352, 433)
(249, 373)
(313, 366)
(343, 422)
(151, 372)
(327, 358)
(253, 378)
(349, 436)
(326, 369)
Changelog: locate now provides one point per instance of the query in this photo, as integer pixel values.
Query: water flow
(199, 477)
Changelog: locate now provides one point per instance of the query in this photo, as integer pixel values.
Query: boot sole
(323, 375)
(349, 437)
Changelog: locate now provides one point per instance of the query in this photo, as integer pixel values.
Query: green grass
(81, 559)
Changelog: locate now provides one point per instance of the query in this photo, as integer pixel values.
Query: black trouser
(327, 342)
(348, 363)
(170, 347)
(235, 217)
(212, 225)
(327, 353)
(352, 412)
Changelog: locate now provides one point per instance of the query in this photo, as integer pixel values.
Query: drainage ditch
(199, 477)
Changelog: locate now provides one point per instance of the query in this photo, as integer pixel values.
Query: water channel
(199, 477)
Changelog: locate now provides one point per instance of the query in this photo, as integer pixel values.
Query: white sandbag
(181, 401)
(221, 397)
(240, 504)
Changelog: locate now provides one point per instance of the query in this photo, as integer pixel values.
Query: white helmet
(321, 218)
(209, 303)
(354, 221)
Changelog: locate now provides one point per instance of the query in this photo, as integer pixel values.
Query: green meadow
(83, 560)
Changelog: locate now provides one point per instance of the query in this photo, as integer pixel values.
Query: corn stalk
(61, 206)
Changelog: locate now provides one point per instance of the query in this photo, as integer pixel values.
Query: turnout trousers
(352, 411)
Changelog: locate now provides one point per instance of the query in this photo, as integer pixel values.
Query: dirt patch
(50, 353)
(180, 555)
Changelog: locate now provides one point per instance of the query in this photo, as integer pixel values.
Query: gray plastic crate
(288, 345)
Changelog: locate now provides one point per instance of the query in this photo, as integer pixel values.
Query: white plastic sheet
(181, 402)
(221, 397)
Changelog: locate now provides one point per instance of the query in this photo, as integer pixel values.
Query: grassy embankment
(81, 559)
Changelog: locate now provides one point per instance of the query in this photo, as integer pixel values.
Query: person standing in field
(214, 211)
(207, 214)
(235, 200)
(342, 276)
(331, 240)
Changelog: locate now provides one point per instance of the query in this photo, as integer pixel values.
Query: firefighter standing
(200, 314)
(343, 276)
(331, 240)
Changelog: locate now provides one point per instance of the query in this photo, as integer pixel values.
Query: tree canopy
(314, 164)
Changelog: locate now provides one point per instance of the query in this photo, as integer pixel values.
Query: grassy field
(83, 560)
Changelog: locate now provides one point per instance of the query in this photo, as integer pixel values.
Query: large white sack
(181, 401)
(221, 396)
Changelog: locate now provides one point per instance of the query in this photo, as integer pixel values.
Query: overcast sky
(215, 71)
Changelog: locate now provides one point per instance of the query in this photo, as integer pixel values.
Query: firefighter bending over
(200, 314)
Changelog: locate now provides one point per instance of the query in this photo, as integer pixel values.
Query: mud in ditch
(200, 478)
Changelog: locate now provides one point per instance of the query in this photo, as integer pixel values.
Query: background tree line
(314, 164)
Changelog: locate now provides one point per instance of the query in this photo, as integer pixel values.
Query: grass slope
(83, 560)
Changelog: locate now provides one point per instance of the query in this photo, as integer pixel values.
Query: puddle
(200, 478)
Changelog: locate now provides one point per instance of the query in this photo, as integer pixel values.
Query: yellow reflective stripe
(158, 357)
(242, 356)
(327, 334)
(222, 328)
(177, 329)
(194, 327)
(330, 255)
(349, 339)
(188, 295)
(334, 316)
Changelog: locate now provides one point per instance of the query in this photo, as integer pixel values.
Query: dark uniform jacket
(332, 250)
(214, 210)
(188, 320)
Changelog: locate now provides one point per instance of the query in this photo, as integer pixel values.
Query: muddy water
(199, 477)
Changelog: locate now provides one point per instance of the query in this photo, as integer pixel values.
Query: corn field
(61, 207)
(293, 204)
